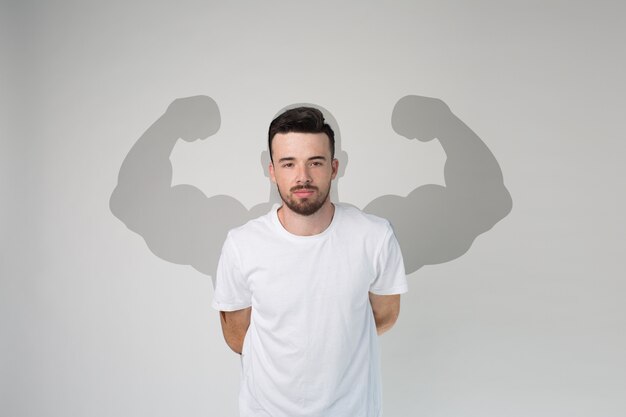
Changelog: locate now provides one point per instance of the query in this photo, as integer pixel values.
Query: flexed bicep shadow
(434, 224)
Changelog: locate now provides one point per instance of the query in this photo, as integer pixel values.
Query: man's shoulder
(258, 226)
(358, 218)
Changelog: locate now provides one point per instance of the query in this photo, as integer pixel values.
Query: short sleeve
(231, 288)
(390, 275)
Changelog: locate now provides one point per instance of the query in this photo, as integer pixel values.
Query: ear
(265, 162)
(272, 175)
(342, 157)
(335, 166)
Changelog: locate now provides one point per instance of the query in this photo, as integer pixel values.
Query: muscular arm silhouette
(436, 224)
(179, 224)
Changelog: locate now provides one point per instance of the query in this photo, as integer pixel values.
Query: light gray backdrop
(529, 322)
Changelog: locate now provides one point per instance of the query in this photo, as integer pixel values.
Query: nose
(303, 176)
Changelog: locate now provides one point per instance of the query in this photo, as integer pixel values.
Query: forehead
(294, 144)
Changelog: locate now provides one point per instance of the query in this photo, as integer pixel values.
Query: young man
(304, 290)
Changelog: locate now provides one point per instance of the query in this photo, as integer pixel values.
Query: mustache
(303, 187)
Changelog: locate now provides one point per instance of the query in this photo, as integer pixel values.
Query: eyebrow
(291, 158)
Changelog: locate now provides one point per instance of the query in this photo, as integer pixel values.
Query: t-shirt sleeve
(390, 276)
(231, 287)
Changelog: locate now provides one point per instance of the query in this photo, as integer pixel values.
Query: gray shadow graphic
(180, 224)
(434, 224)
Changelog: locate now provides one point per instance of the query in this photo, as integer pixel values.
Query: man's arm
(234, 326)
(386, 309)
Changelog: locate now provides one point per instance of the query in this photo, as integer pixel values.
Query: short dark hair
(301, 120)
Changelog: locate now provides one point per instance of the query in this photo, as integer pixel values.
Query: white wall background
(530, 322)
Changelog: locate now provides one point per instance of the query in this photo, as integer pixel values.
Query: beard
(305, 206)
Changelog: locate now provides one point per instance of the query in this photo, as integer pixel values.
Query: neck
(311, 225)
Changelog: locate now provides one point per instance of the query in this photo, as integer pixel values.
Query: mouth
(303, 192)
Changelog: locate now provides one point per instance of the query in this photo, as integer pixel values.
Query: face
(302, 169)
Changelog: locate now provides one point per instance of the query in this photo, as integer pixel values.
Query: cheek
(281, 178)
(330, 173)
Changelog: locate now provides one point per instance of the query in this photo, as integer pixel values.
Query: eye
(287, 165)
(316, 163)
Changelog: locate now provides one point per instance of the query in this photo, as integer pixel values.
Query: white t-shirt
(311, 348)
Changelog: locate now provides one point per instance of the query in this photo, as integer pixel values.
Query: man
(304, 290)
